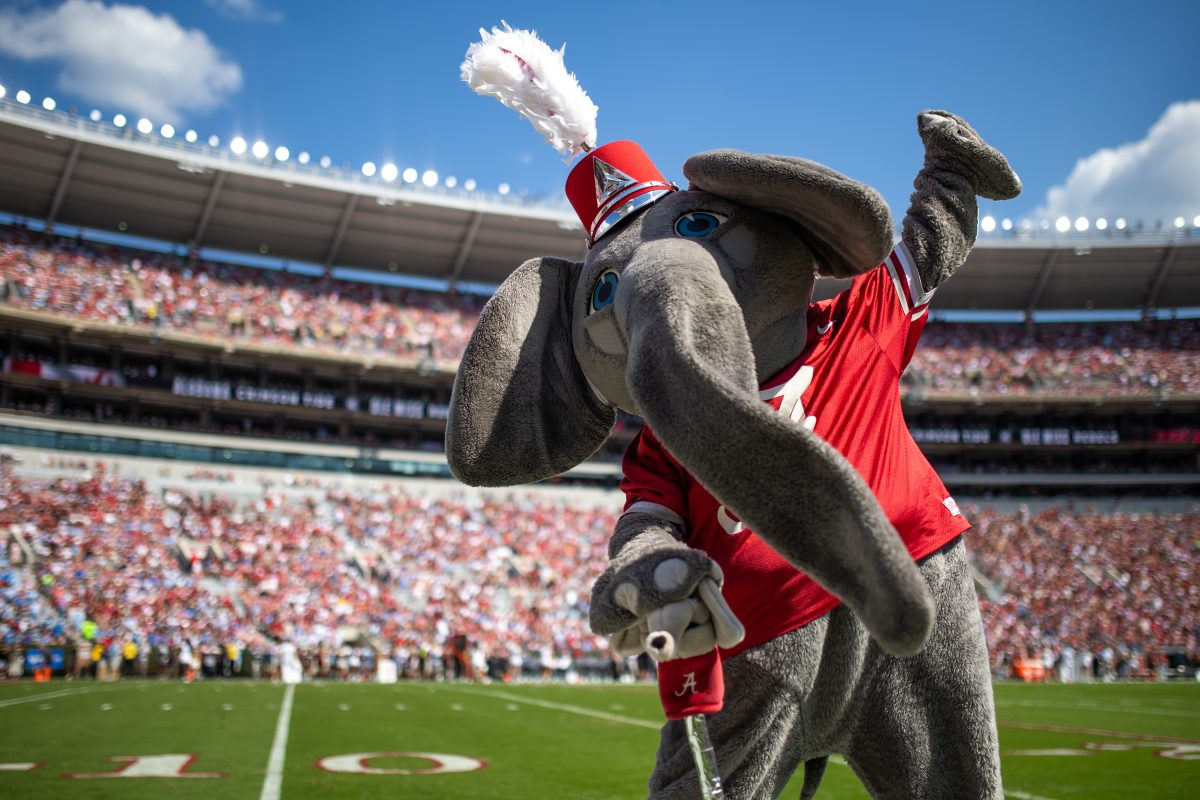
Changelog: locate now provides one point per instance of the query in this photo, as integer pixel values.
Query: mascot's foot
(952, 143)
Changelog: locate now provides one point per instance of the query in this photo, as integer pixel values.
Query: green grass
(1116, 741)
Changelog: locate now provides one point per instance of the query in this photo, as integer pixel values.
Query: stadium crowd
(173, 581)
(120, 286)
(1118, 590)
(155, 290)
(1096, 359)
(415, 577)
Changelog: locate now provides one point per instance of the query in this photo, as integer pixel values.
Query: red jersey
(845, 387)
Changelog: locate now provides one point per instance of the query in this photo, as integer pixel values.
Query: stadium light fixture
(1007, 224)
(191, 136)
(429, 178)
(238, 145)
(1044, 224)
(167, 130)
(1081, 224)
(1101, 224)
(1026, 225)
(214, 141)
(470, 185)
(1180, 222)
(504, 189)
(389, 172)
(1196, 221)
(303, 157)
(3, 91)
(23, 96)
(94, 116)
(282, 153)
(452, 181)
(260, 149)
(326, 162)
(1062, 225)
(49, 104)
(988, 223)
(145, 126)
(1120, 223)
(410, 175)
(368, 169)
(119, 120)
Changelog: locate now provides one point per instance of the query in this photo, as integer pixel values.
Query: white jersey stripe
(918, 295)
(898, 282)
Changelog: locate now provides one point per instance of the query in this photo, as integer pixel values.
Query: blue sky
(1096, 104)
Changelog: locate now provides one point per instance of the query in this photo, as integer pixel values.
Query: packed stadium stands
(146, 289)
(328, 563)
(136, 379)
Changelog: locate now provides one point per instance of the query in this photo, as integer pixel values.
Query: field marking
(585, 712)
(1082, 706)
(837, 758)
(1137, 737)
(273, 783)
(1019, 795)
(33, 698)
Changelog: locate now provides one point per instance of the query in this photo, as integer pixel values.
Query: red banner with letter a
(695, 685)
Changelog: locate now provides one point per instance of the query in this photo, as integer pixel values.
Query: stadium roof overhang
(67, 170)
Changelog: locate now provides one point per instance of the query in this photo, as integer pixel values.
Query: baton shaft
(704, 756)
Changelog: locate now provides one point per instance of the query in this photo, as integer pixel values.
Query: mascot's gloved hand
(693, 626)
(655, 584)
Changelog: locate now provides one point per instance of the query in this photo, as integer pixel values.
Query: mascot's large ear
(521, 409)
(845, 223)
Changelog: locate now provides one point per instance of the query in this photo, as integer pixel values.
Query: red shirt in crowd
(845, 387)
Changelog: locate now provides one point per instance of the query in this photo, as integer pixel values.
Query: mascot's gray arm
(939, 229)
(649, 566)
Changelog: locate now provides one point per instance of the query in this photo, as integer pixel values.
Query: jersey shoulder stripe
(907, 281)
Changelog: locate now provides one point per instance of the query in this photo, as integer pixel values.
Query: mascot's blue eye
(697, 224)
(605, 291)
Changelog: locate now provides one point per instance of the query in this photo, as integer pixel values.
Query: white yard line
(1125, 709)
(51, 695)
(1136, 737)
(1013, 793)
(586, 712)
(273, 784)
(1025, 795)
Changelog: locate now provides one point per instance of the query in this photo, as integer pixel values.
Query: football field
(257, 741)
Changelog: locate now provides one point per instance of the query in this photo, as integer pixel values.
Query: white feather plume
(525, 74)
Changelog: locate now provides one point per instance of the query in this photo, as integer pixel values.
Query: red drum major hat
(611, 182)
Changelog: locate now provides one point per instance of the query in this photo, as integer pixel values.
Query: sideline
(586, 712)
(1136, 737)
(1138, 710)
(1016, 794)
(273, 784)
(71, 692)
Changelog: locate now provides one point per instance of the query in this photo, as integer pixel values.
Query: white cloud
(124, 57)
(245, 9)
(1156, 178)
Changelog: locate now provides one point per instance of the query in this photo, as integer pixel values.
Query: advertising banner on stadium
(63, 372)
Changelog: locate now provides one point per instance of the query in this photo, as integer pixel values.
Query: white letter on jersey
(729, 523)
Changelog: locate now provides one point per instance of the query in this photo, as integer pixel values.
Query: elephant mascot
(775, 462)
